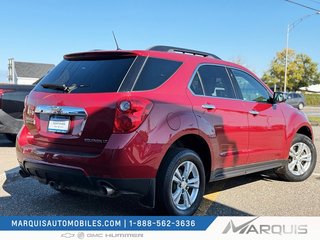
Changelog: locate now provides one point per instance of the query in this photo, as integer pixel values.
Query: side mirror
(279, 97)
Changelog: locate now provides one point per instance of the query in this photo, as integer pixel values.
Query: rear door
(220, 115)
(266, 121)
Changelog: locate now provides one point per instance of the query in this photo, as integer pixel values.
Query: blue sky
(254, 30)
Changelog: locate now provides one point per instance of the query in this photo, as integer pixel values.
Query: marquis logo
(250, 228)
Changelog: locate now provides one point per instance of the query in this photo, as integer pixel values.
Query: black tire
(306, 167)
(174, 161)
(11, 137)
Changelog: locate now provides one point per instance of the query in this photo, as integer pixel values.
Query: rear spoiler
(99, 55)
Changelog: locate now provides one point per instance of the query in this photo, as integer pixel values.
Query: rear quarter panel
(171, 117)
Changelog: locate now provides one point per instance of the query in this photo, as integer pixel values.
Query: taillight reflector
(130, 114)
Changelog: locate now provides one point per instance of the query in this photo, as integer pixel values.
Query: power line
(302, 5)
(314, 1)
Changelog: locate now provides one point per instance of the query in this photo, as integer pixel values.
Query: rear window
(155, 72)
(89, 76)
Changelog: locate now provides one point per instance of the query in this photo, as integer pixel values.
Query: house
(312, 89)
(26, 72)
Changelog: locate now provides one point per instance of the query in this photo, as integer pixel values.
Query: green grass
(314, 120)
(312, 99)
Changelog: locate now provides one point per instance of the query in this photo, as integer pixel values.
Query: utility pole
(289, 28)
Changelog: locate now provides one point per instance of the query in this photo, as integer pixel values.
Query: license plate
(59, 124)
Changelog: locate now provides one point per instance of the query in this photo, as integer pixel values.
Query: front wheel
(300, 106)
(302, 160)
(181, 182)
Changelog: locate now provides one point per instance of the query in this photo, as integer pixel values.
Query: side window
(155, 72)
(250, 88)
(196, 85)
(216, 81)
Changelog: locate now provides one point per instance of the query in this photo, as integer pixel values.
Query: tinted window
(196, 85)
(131, 77)
(89, 75)
(155, 72)
(216, 81)
(250, 88)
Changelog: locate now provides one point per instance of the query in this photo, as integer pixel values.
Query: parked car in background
(296, 100)
(159, 123)
(11, 108)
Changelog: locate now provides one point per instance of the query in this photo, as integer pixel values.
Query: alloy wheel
(185, 185)
(299, 158)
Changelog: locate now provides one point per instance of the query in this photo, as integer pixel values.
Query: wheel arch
(197, 144)
(304, 130)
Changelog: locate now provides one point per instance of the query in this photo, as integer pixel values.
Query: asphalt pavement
(312, 111)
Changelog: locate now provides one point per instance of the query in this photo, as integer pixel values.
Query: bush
(315, 121)
(312, 99)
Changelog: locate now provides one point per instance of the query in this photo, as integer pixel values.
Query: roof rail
(183, 51)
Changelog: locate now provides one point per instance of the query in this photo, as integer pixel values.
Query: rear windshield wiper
(63, 87)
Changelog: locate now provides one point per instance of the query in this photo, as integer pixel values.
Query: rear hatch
(73, 107)
(76, 106)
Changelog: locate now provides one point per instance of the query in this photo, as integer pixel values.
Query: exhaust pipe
(107, 189)
(23, 173)
(56, 186)
(110, 191)
(53, 184)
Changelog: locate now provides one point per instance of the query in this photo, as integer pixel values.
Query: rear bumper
(66, 177)
(126, 165)
(9, 124)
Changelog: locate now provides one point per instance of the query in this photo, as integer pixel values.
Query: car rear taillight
(28, 112)
(130, 114)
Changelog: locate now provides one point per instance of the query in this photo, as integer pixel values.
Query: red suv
(159, 123)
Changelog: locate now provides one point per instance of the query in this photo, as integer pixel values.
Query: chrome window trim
(200, 79)
(138, 75)
(127, 73)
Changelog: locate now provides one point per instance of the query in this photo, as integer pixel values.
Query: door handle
(208, 106)
(254, 112)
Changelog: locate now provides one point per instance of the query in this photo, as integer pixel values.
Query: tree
(302, 71)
